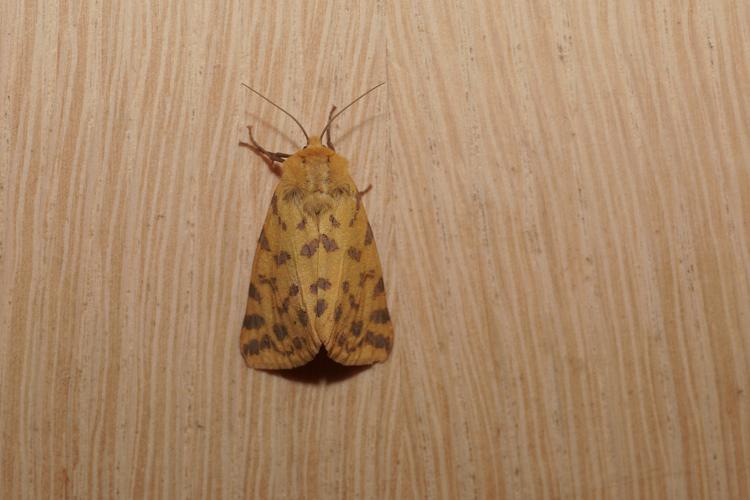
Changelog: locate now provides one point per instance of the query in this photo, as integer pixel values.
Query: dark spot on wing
(297, 342)
(253, 322)
(345, 286)
(251, 348)
(263, 241)
(338, 312)
(320, 307)
(253, 293)
(368, 235)
(379, 288)
(380, 316)
(356, 328)
(265, 342)
(293, 290)
(334, 222)
(282, 257)
(322, 284)
(328, 243)
(380, 341)
(354, 253)
(377, 340)
(280, 331)
(302, 316)
(309, 248)
(302, 224)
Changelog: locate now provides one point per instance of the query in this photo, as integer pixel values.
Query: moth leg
(279, 157)
(360, 194)
(269, 157)
(328, 132)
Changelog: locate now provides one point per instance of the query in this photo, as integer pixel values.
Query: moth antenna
(287, 113)
(347, 107)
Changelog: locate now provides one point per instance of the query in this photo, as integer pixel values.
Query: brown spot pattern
(253, 293)
(379, 288)
(338, 312)
(334, 222)
(280, 331)
(265, 342)
(282, 257)
(368, 235)
(381, 342)
(328, 243)
(297, 342)
(322, 283)
(302, 224)
(251, 348)
(263, 241)
(320, 307)
(284, 307)
(253, 322)
(380, 316)
(293, 290)
(345, 286)
(354, 253)
(302, 316)
(376, 340)
(356, 328)
(309, 248)
(275, 205)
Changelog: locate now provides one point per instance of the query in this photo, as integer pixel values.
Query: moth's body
(314, 175)
(316, 276)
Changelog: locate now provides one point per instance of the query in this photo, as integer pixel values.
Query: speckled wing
(277, 330)
(357, 329)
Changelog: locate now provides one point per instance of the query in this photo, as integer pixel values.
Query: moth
(316, 279)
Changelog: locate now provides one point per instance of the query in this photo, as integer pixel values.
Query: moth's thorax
(315, 177)
(317, 199)
(317, 173)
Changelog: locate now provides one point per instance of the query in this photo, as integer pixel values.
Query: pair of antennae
(307, 138)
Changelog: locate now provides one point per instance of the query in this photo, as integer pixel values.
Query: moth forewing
(316, 277)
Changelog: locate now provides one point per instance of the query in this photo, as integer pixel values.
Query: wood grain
(562, 202)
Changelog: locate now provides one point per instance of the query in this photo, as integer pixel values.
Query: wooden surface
(562, 203)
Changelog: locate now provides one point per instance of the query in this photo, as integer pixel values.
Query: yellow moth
(316, 278)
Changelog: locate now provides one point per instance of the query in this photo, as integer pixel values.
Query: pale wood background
(562, 203)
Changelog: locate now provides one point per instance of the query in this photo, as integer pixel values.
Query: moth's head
(315, 150)
(316, 169)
